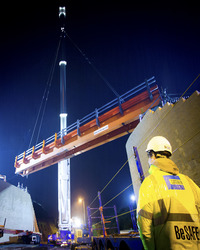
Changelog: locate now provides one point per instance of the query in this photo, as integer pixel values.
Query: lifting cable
(45, 97)
(94, 68)
(118, 194)
(114, 217)
(190, 86)
(113, 199)
(111, 180)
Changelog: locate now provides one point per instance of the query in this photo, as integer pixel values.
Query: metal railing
(94, 115)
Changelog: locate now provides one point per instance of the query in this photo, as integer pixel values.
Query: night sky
(127, 41)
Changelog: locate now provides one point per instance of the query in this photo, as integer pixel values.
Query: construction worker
(168, 211)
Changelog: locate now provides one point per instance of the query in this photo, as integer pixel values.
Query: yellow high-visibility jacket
(168, 211)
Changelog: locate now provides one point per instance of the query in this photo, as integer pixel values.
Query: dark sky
(126, 41)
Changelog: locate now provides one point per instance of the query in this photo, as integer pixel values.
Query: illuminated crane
(105, 124)
(64, 206)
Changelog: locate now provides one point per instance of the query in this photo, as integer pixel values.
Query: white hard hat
(159, 144)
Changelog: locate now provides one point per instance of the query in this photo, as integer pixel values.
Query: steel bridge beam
(112, 125)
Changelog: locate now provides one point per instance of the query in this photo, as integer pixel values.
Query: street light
(132, 211)
(76, 222)
(82, 201)
(132, 197)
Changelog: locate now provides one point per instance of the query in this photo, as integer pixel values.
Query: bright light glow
(132, 197)
(62, 11)
(62, 62)
(76, 222)
(63, 115)
(80, 200)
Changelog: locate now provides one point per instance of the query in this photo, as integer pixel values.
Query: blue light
(132, 197)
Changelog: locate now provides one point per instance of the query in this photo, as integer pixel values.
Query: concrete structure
(17, 208)
(180, 124)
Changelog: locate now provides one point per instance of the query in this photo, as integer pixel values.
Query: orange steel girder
(113, 125)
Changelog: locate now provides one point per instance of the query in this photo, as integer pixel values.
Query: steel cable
(111, 180)
(94, 68)
(45, 97)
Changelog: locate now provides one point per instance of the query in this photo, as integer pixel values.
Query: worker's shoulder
(149, 181)
(185, 177)
(190, 181)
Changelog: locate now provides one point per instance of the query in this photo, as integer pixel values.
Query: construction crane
(117, 118)
(64, 207)
(110, 122)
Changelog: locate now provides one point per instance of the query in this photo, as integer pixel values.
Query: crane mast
(64, 204)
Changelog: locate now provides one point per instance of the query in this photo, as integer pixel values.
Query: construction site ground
(40, 247)
(27, 247)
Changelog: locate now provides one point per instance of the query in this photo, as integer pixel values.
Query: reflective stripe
(165, 216)
(172, 217)
(180, 217)
(145, 214)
